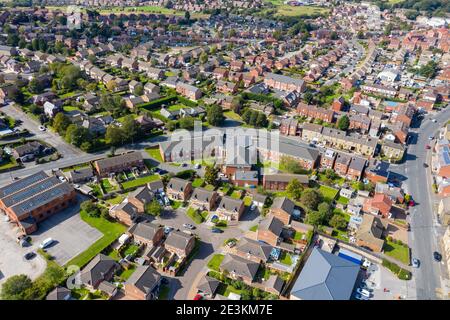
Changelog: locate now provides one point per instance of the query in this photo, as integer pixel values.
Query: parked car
(46, 243)
(167, 230)
(415, 263)
(29, 255)
(437, 256)
(189, 226)
(216, 230)
(197, 166)
(363, 292)
(366, 263)
(42, 128)
(361, 297)
(425, 165)
(427, 147)
(198, 297)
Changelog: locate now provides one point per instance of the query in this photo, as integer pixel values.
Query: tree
(115, 135)
(338, 222)
(35, 86)
(60, 123)
(211, 175)
(325, 209)
(215, 115)
(360, 34)
(16, 287)
(16, 95)
(294, 189)
(139, 90)
(311, 198)
(76, 135)
(187, 123)
(261, 120)
(130, 128)
(343, 123)
(315, 218)
(291, 165)
(187, 16)
(308, 97)
(153, 208)
(203, 57)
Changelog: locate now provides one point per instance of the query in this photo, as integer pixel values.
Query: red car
(427, 146)
(411, 203)
(198, 297)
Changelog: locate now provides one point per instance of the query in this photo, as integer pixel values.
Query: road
(423, 238)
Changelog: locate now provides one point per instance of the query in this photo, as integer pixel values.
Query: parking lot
(71, 234)
(12, 261)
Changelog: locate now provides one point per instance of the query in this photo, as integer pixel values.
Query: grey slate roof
(178, 184)
(287, 177)
(283, 203)
(145, 230)
(230, 204)
(254, 248)
(97, 268)
(274, 282)
(59, 293)
(239, 266)
(208, 285)
(118, 160)
(145, 278)
(272, 224)
(325, 276)
(202, 194)
(178, 239)
(142, 194)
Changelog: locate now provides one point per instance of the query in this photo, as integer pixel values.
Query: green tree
(315, 218)
(130, 128)
(139, 90)
(76, 135)
(215, 115)
(311, 198)
(211, 175)
(60, 123)
(153, 208)
(338, 222)
(261, 120)
(187, 123)
(325, 209)
(203, 57)
(114, 135)
(294, 189)
(343, 123)
(16, 287)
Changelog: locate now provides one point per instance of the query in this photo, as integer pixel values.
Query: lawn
(248, 201)
(154, 153)
(215, 262)
(298, 235)
(5, 165)
(164, 292)
(254, 228)
(70, 108)
(111, 231)
(116, 200)
(194, 215)
(342, 200)
(107, 186)
(198, 182)
(131, 249)
(329, 194)
(140, 181)
(397, 251)
(126, 273)
(76, 167)
(294, 11)
(210, 187)
(232, 115)
(236, 194)
(286, 259)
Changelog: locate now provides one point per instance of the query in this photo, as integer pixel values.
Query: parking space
(12, 261)
(71, 234)
(384, 285)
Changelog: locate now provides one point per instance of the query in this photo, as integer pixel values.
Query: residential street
(423, 238)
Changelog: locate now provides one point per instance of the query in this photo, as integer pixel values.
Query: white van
(46, 243)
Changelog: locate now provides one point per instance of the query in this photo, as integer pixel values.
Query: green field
(154, 153)
(111, 231)
(294, 11)
(140, 181)
(329, 194)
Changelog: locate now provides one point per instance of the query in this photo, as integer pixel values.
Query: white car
(47, 242)
(363, 292)
(434, 120)
(42, 128)
(366, 263)
(361, 297)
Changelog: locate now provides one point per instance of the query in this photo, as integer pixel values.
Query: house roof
(272, 224)
(230, 204)
(144, 230)
(119, 160)
(202, 194)
(145, 278)
(142, 194)
(274, 282)
(371, 230)
(59, 293)
(325, 276)
(178, 184)
(178, 239)
(240, 266)
(254, 248)
(97, 269)
(284, 204)
(208, 285)
(286, 177)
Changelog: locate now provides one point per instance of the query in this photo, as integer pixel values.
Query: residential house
(370, 233)
(239, 268)
(100, 269)
(143, 284)
(119, 163)
(269, 230)
(204, 199)
(282, 208)
(230, 209)
(179, 243)
(179, 189)
(253, 250)
(380, 204)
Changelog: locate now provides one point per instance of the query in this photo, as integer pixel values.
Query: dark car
(425, 165)
(29, 255)
(216, 230)
(437, 256)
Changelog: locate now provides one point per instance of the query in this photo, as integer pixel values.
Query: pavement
(425, 229)
(12, 261)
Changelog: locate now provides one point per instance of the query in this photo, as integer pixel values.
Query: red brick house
(179, 189)
(146, 233)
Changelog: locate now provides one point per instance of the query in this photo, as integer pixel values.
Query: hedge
(157, 103)
(402, 274)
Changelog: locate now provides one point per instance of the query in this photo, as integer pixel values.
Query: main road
(425, 229)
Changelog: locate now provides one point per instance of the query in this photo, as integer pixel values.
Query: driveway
(210, 244)
(71, 234)
(11, 255)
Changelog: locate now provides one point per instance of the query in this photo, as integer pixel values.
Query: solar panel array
(22, 183)
(446, 155)
(41, 199)
(31, 191)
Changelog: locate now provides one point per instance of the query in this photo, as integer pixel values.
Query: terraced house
(34, 199)
(119, 163)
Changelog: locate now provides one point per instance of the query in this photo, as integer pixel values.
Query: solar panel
(22, 183)
(30, 191)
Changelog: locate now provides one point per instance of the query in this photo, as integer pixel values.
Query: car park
(29, 255)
